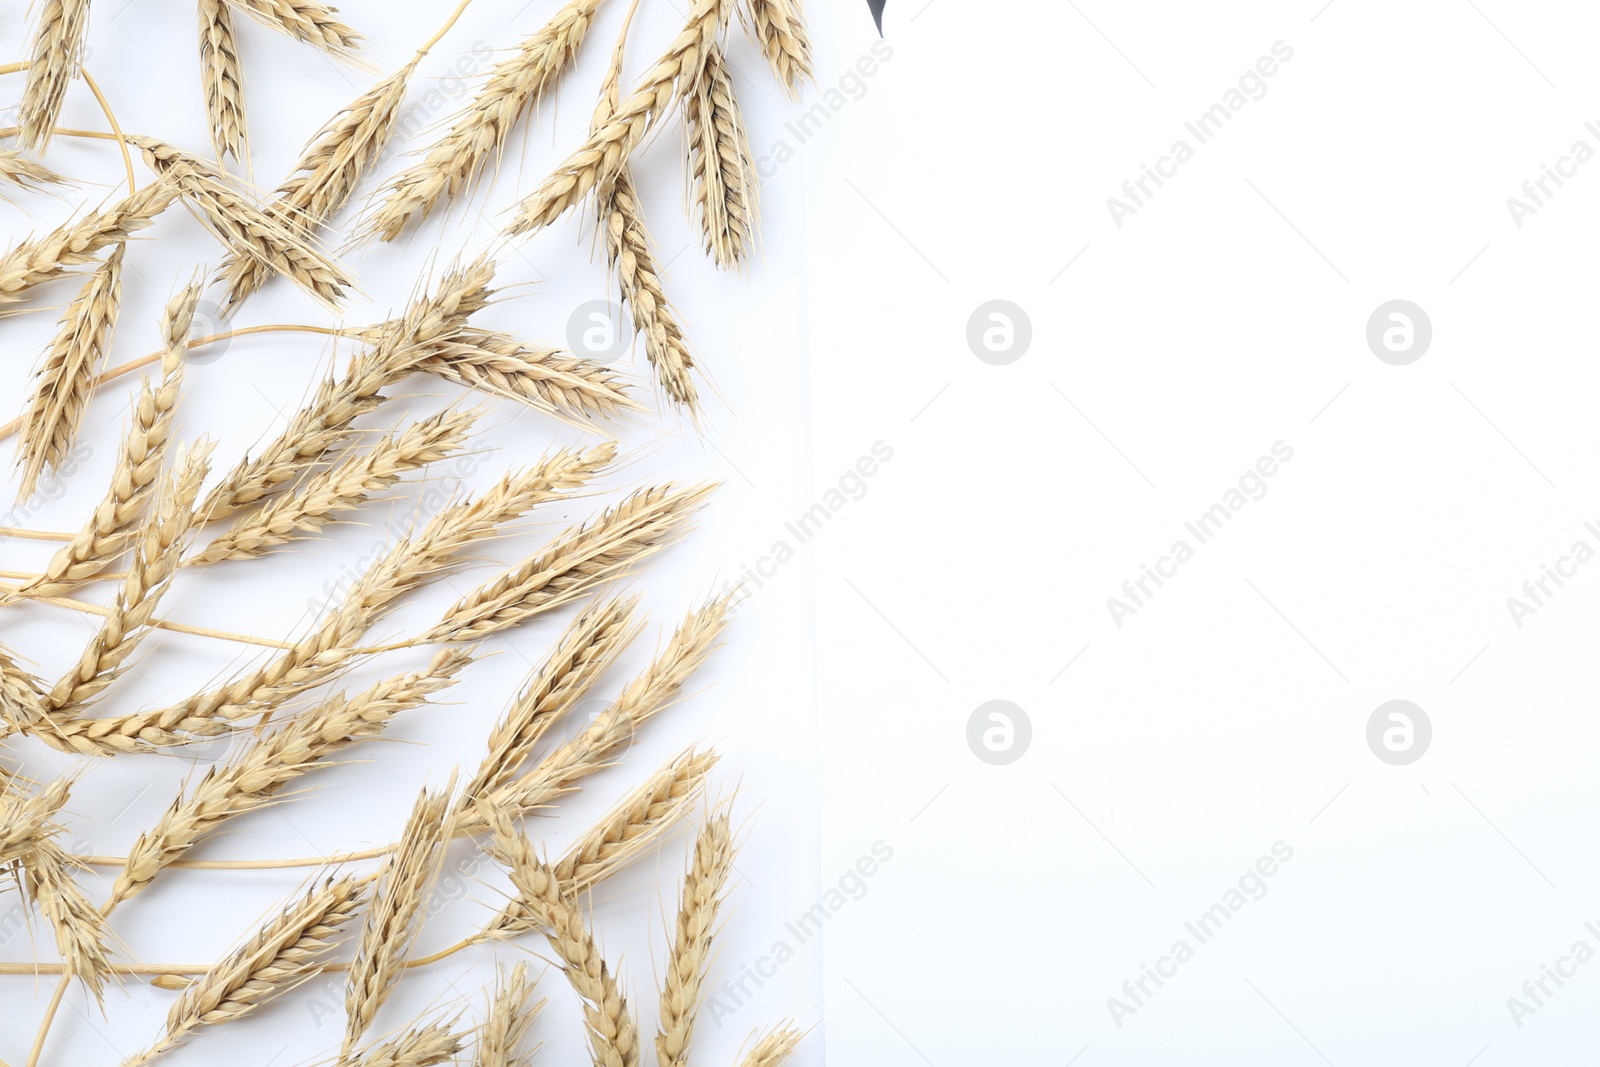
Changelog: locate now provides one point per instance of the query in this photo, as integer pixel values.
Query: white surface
(753, 702)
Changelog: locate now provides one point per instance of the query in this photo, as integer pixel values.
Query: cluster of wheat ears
(287, 715)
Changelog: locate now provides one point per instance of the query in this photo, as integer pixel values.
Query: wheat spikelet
(613, 1034)
(285, 951)
(19, 170)
(111, 527)
(252, 779)
(222, 80)
(585, 556)
(508, 1023)
(56, 43)
(543, 378)
(397, 913)
(304, 20)
(72, 244)
(64, 382)
(587, 648)
(423, 1046)
(80, 930)
(723, 171)
(397, 346)
(690, 958)
(431, 552)
(157, 549)
(343, 487)
(652, 691)
(326, 174)
(243, 227)
(779, 26)
(454, 162)
(605, 154)
(774, 1047)
(21, 694)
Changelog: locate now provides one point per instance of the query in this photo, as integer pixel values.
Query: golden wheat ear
(304, 20)
(43, 259)
(721, 166)
(26, 173)
(57, 40)
(510, 1018)
(773, 1047)
(222, 81)
(779, 26)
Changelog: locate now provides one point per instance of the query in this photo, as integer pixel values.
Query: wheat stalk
(543, 378)
(304, 20)
(64, 382)
(285, 951)
(454, 162)
(774, 1047)
(721, 166)
(613, 1034)
(326, 175)
(252, 779)
(56, 43)
(43, 259)
(584, 557)
(20, 170)
(397, 913)
(222, 80)
(604, 155)
(422, 1046)
(111, 527)
(157, 549)
(396, 348)
(343, 487)
(242, 226)
(508, 1023)
(779, 26)
(703, 888)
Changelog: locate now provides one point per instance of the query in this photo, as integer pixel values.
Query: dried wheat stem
(543, 378)
(774, 1047)
(22, 171)
(397, 914)
(161, 624)
(779, 26)
(721, 165)
(480, 134)
(613, 1034)
(64, 382)
(582, 558)
(326, 175)
(252, 779)
(605, 154)
(510, 1019)
(703, 889)
(282, 953)
(222, 80)
(304, 20)
(340, 488)
(73, 244)
(57, 40)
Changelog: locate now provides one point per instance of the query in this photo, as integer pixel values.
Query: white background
(752, 702)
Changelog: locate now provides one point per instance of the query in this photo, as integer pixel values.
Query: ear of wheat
(222, 80)
(422, 1046)
(27, 173)
(723, 172)
(44, 259)
(56, 43)
(690, 957)
(304, 20)
(63, 384)
(773, 1047)
(543, 378)
(780, 28)
(510, 1019)
(80, 929)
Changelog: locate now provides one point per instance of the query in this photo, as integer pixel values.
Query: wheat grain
(252, 779)
(286, 950)
(343, 487)
(723, 172)
(480, 133)
(65, 380)
(546, 379)
(243, 227)
(584, 557)
(304, 20)
(587, 648)
(508, 1023)
(422, 1046)
(613, 1034)
(396, 348)
(33, 262)
(604, 155)
(56, 43)
(779, 26)
(396, 915)
(322, 181)
(774, 1047)
(222, 80)
(19, 170)
(690, 958)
